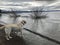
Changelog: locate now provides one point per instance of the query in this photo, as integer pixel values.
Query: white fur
(8, 29)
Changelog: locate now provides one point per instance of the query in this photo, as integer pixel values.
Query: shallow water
(49, 27)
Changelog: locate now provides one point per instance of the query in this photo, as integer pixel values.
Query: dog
(17, 27)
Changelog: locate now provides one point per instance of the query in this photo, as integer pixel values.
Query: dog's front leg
(20, 33)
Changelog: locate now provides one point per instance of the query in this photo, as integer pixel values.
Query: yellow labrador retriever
(9, 27)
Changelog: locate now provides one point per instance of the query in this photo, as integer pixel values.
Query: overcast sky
(20, 4)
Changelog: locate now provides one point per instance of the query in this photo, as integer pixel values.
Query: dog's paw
(10, 37)
(7, 38)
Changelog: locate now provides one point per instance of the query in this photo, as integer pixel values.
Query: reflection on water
(5, 18)
(43, 26)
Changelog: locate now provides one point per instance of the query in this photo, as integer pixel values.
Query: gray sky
(20, 4)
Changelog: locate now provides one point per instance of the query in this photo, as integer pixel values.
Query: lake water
(49, 27)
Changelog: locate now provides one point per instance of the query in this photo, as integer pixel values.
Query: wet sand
(14, 41)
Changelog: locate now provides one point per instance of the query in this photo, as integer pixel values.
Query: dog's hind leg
(8, 31)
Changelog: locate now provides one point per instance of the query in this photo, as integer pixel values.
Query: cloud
(17, 0)
(21, 3)
(24, 5)
(18, 6)
(46, 0)
(55, 4)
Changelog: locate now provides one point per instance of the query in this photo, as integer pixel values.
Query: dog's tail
(2, 27)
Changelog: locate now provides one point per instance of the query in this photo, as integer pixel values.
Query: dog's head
(23, 22)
